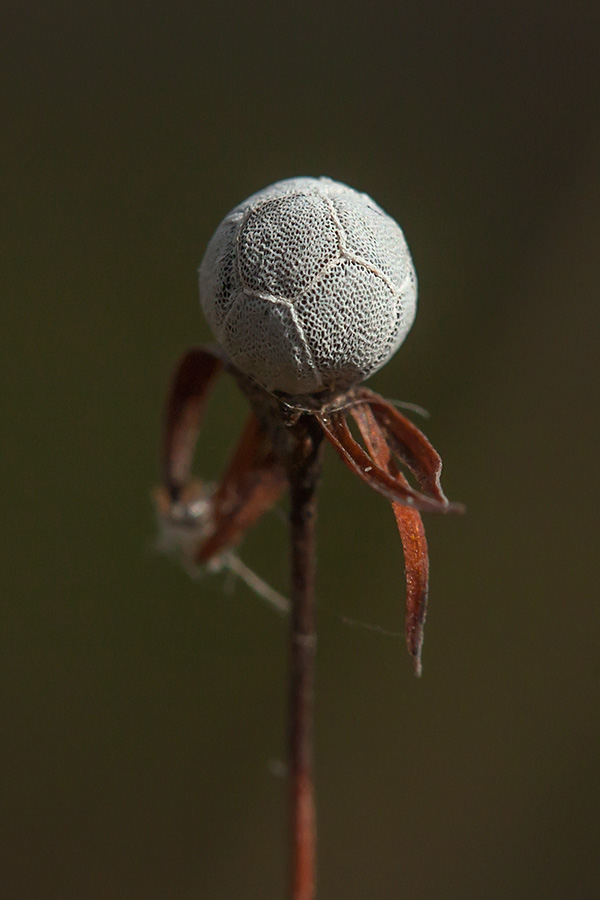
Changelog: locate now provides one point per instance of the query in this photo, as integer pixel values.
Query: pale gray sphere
(308, 285)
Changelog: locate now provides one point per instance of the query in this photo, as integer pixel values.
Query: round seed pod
(308, 286)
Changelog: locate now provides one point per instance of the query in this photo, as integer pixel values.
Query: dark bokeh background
(142, 713)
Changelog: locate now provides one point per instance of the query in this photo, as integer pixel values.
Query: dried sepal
(412, 535)
(252, 484)
(409, 444)
(204, 523)
(356, 458)
(208, 522)
(192, 382)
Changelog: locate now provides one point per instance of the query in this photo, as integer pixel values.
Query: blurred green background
(143, 714)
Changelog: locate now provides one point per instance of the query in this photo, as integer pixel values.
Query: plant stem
(303, 471)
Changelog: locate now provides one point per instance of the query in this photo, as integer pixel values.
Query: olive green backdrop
(143, 714)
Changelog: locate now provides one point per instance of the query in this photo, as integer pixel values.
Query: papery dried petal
(192, 381)
(393, 488)
(408, 443)
(412, 535)
(252, 483)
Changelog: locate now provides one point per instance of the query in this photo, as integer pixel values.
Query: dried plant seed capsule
(308, 285)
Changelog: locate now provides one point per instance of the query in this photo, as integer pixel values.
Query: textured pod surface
(308, 285)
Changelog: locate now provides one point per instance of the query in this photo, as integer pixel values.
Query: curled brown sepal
(412, 535)
(201, 521)
(392, 487)
(410, 445)
(253, 482)
(191, 384)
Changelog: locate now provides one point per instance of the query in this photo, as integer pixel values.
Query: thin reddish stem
(303, 473)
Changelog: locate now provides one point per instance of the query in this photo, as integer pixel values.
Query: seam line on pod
(230, 311)
(270, 298)
(280, 301)
(338, 225)
(353, 257)
(309, 356)
(321, 274)
(283, 301)
(241, 221)
(238, 262)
